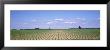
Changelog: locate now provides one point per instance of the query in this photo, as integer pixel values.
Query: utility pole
(49, 27)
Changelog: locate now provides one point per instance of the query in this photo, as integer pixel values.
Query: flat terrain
(56, 34)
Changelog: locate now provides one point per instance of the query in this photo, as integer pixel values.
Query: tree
(36, 28)
(79, 27)
(13, 29)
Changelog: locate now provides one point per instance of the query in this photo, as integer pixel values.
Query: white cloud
(70, 22)
(55, 21)
(59, 19)
(49, 22)
(81, 18)
(62, 21)
(78, 18)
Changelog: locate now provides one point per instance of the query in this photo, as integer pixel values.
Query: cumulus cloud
(62, 21)
(78, 18)
(59, 19)
(49, 22)
(70, 22)
(81, 18)
(55, 21)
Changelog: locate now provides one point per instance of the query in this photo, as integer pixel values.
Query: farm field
(56, 34)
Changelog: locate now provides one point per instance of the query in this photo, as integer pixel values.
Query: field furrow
(55, 34)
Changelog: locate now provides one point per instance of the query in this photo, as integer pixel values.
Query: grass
(56, 34)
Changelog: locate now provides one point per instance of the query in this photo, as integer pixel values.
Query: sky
(55, 19)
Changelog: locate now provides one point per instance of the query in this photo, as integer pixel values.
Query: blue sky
(55, 19)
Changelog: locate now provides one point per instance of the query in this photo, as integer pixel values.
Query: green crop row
(60, 34)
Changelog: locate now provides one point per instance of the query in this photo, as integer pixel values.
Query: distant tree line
(30, 29)
(79, 27)
(83, 28)
(27, 29)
